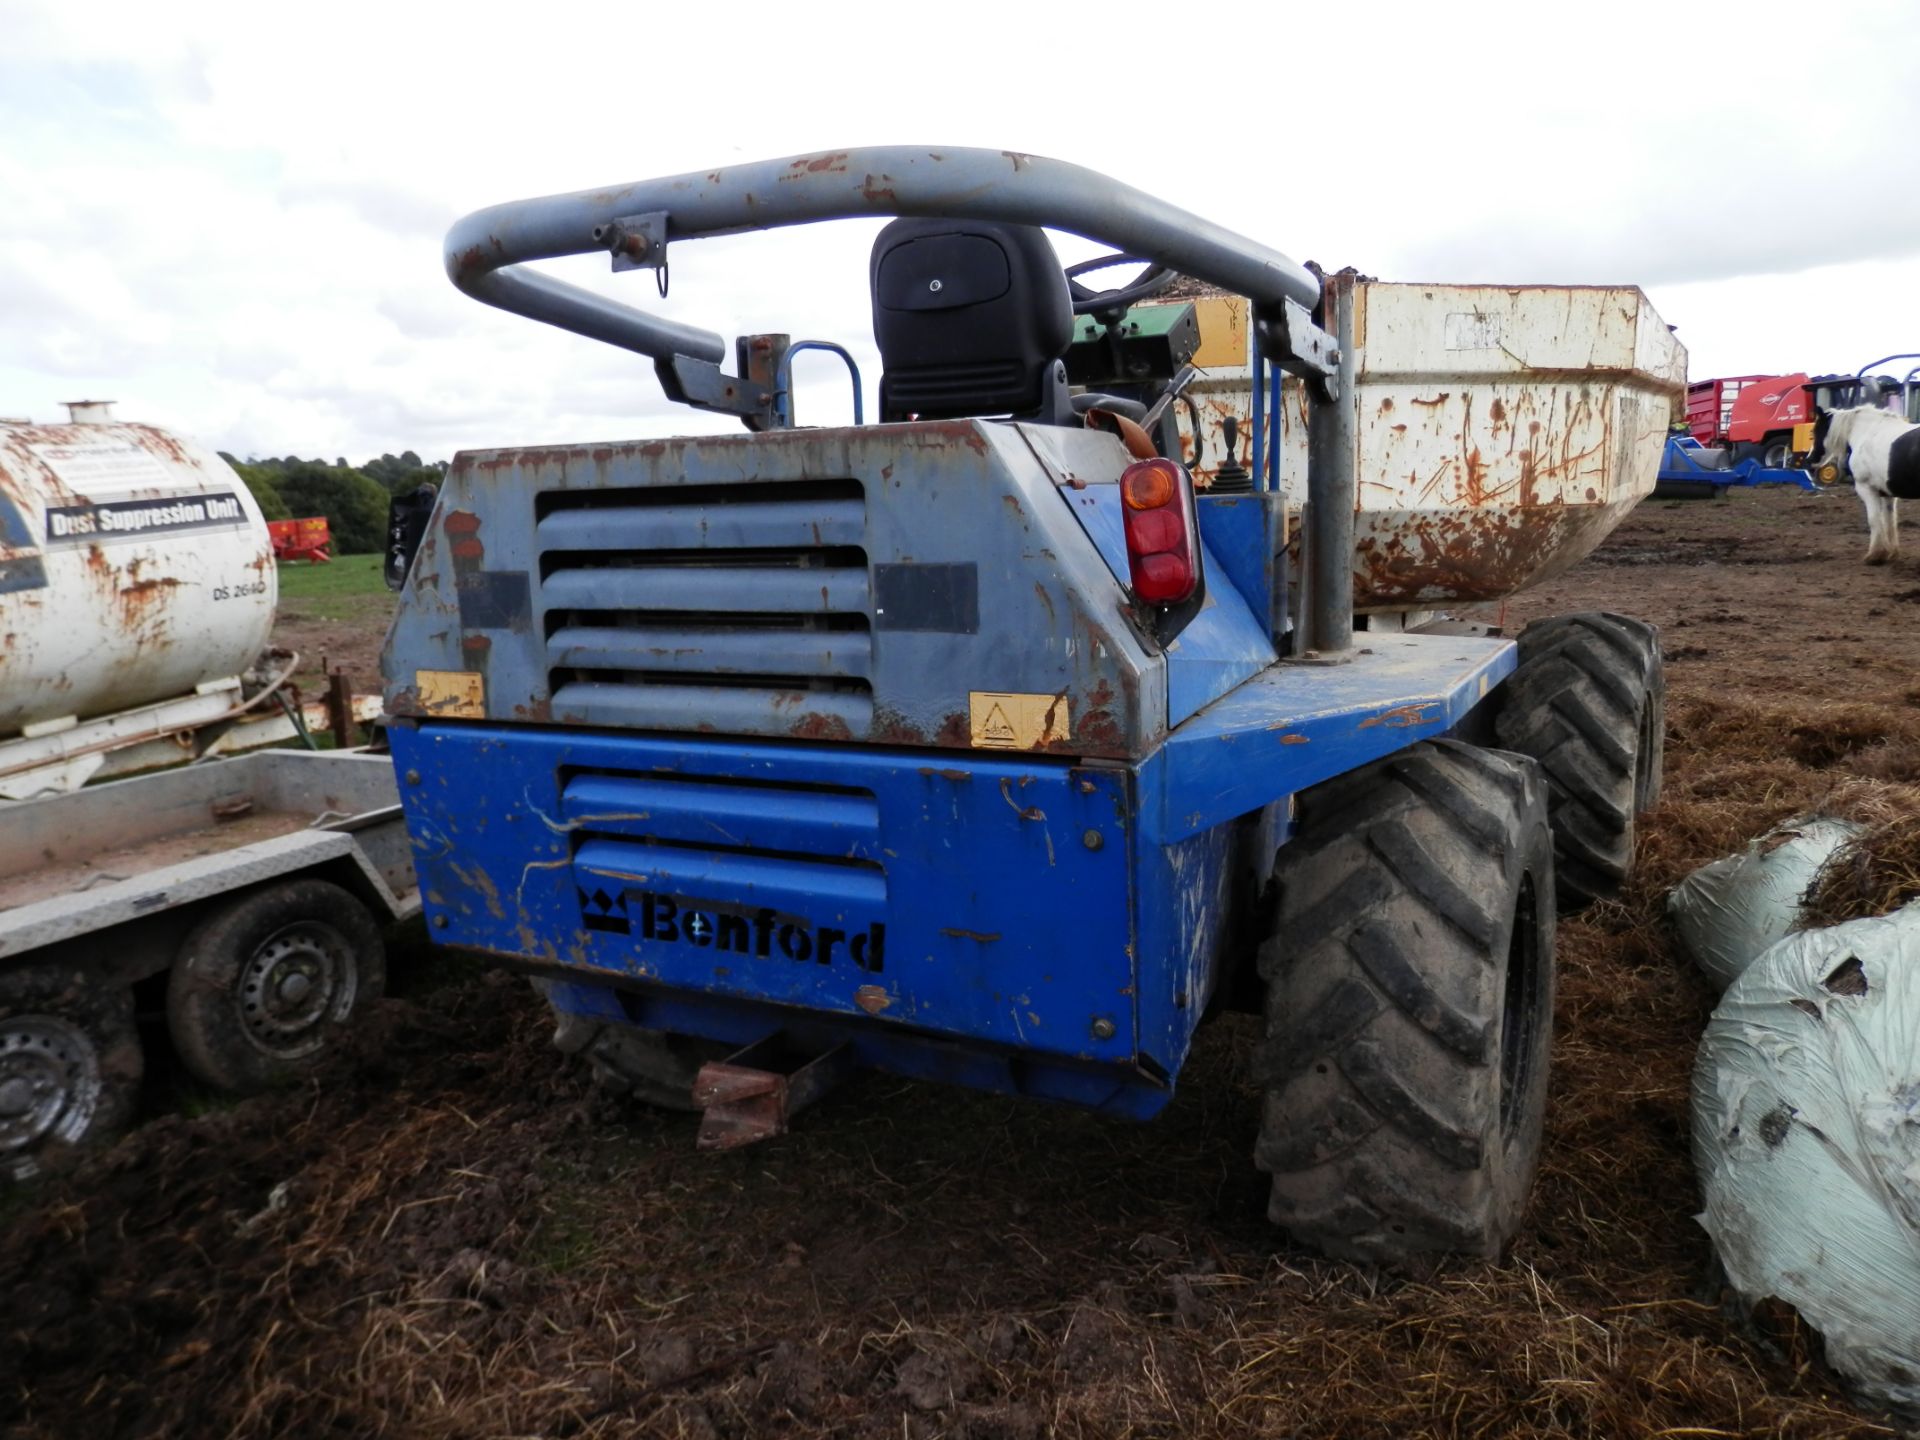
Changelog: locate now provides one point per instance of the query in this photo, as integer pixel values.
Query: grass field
(349, 576)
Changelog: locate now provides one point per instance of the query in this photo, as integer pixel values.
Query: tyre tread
(1576, 704)
(1385, 971)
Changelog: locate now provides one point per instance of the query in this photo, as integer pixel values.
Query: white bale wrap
(1729, 911)
(1806, 1137)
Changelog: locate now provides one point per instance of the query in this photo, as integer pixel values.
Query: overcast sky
(229, 218)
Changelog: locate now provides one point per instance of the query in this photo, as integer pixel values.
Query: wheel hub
(16, 1097)
(295, 984)
(49, 1082)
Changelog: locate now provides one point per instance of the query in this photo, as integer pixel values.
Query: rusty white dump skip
(1503, 430)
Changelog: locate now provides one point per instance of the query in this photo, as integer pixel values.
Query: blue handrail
(783, 382)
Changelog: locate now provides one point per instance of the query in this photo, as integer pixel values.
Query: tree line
(352, 497)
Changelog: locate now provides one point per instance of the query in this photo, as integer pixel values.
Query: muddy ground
(451, 1237)
(334, 617)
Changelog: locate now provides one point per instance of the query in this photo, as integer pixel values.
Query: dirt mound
(187, 1282)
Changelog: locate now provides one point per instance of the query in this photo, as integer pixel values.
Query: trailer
(1764, 418)
(246, 898)
(309, 539)
(1710, 407)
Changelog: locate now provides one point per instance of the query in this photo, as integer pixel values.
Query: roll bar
(486, 252)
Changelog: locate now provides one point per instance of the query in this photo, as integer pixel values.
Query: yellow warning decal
(1017, 721)
(1223, 332)
(459, 693)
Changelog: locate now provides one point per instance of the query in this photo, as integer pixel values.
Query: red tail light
(1163, 553)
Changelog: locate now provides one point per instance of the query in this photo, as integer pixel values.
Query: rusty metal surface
(177, 808)
(219, 833)
(739, 1106)
(832, 585)
(78, 864)
(1504, 432)
(742, 1102)
(112, 593)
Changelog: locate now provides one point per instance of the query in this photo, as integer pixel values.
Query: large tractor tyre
(1409, 1007)
(650, 1066)
(70, 1066)
(266, 984)
(1589, 702)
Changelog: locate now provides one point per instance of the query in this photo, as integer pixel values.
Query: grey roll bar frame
(487, 251)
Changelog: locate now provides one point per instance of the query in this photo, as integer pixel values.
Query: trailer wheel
(266, 983)
(1410, 982)
(1589, 702)
(70, 1066)
(650, 1066)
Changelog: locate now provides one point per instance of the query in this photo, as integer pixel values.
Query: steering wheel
(1101, 302)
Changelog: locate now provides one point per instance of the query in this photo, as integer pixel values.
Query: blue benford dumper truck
(973, 744)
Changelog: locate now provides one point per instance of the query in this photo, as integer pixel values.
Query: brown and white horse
(1880, 453)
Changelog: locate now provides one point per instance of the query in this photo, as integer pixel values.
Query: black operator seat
(971, 319)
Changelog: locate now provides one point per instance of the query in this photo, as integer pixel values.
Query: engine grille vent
(741, 608)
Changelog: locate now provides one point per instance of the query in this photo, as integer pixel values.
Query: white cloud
(229, 215)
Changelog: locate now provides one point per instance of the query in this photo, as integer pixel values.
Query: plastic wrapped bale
(1731, 910)
(1806, 1137)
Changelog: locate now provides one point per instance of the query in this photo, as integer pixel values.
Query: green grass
(350, 589)
(348, 575)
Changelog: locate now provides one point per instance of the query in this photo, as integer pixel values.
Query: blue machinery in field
(960, 747)
(1692, 471)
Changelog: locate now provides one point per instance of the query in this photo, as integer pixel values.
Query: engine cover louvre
(726, 602)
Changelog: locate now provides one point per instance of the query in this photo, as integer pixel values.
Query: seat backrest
(969, 317)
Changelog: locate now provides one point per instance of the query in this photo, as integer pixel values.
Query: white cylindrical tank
(134, 567)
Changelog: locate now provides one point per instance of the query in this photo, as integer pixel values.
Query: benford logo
(762, 933)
